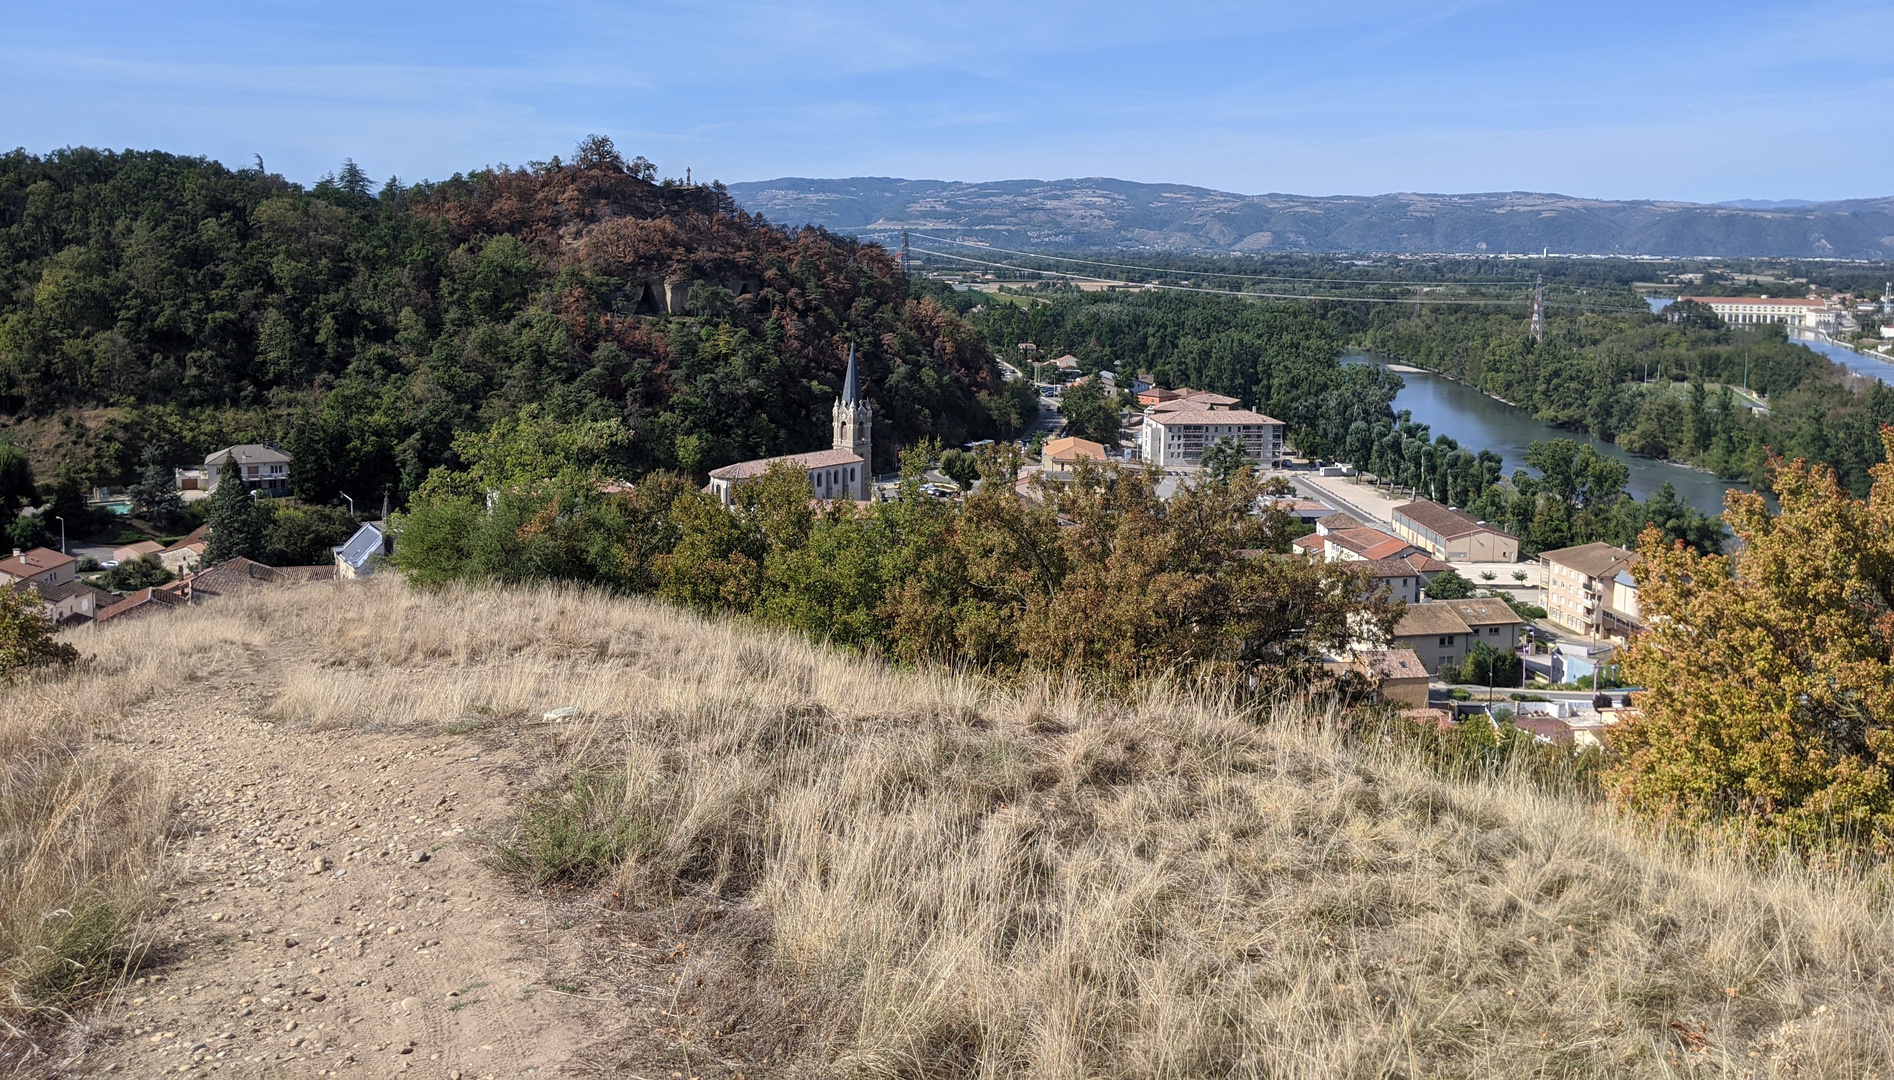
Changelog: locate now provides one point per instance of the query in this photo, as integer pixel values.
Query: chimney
(17, 553)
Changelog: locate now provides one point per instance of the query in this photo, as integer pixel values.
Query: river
(1478, 422)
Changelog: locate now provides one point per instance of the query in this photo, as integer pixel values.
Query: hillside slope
(152, 300)
(809, 864)
(1099, 212)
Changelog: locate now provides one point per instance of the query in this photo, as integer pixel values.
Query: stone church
(845, 471)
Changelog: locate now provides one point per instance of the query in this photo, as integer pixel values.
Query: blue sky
(1651, 100)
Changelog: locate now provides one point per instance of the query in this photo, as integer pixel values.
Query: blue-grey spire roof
(851, 386)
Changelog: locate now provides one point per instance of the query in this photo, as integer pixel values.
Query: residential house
(1436, 633)
(1403, 581)
(187, 554)
(1196, 400)
(1156, 395)
(1066, 364)
(1450, 535)
(1365, 544)
(1491, 621)
(263, 467)
(141, 603)
(1336, 522)
(240, 575)
(43, 566)
(1583, 591)
(362, 554)
(134, 552)
(1400, 677)
(1059, 455)
(69, 602)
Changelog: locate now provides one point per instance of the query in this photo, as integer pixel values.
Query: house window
(1492, 631)
(1446, 642)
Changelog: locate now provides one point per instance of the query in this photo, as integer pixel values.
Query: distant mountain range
(1103, 213)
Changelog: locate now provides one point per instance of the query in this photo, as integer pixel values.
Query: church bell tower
(854, 429)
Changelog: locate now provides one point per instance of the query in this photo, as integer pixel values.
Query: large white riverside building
(1795, 313)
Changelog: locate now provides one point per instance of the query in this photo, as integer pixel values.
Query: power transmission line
(1413, 300)
(1161, 270)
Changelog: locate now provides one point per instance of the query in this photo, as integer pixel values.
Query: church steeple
(851, 386)
(854, 428)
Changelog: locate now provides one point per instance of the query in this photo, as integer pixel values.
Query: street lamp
(62, 533)
(345, 495)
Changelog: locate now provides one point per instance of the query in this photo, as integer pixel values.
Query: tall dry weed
(980, 879)
(82, 821)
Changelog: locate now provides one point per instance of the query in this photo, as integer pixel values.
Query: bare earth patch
(324, 909)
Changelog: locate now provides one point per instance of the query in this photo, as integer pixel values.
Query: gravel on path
(327, 911)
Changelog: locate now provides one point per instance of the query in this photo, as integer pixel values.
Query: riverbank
(1481, 421)
(1860, 364)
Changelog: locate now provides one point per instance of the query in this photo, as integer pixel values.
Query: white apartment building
(1179, 436)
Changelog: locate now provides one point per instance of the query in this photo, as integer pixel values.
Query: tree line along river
(1479, 422)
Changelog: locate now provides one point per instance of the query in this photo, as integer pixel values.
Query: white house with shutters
(264, 467)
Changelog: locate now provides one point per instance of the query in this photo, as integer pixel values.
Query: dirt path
(326, 913)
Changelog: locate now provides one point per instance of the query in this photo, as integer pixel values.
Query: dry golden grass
(81, 820)
(954, 877)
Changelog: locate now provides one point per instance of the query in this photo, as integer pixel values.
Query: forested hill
(1099, 212)
(153, 300)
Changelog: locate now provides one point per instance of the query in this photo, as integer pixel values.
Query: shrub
(1769, 683)
(140, 573)
(27, 635)
(575, 835)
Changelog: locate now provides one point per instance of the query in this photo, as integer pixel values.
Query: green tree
(435, 536)
(26, 635)
(1223, 459)
(140, 573)
(16, 483)
(236, 525)
(960, 467)
(1769, 695)
(299, 535)
(1089, 413)
(155, 496)
(1487, 666)
(1449, 585)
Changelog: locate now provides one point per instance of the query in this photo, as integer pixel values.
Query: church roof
(851, 386)
(819, 459)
